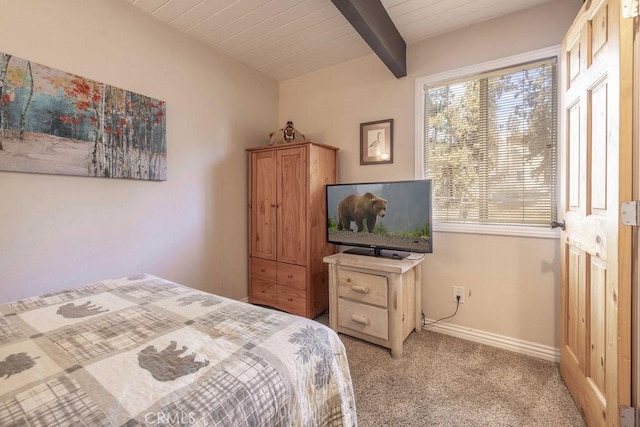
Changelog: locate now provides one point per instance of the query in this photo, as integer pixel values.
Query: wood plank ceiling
(288, 38)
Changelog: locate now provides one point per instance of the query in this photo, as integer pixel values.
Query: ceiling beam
(372, 22)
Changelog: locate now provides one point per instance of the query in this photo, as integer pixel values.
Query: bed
(142, 350)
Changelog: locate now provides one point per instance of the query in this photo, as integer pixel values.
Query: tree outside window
(489, 146)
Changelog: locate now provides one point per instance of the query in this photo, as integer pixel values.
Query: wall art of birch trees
(56, 122)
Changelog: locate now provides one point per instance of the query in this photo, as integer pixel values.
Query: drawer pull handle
(361, 289)
(348, 280)
(290, 276)
(262, 270)
(360, 319)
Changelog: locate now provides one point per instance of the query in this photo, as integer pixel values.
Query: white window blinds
(490, 146)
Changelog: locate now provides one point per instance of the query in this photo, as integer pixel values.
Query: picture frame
(376, 142)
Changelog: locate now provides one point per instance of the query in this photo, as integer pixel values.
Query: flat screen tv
(391, 219)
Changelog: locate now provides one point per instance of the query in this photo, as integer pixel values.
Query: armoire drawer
(294, 276)
(291, 300)
(263, 269)
(263, 291)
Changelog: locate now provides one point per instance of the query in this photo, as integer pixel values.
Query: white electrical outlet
(458, 291)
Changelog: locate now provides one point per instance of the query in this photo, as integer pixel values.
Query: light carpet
(446, 381)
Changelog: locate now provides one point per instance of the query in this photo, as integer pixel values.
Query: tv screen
(395, 216)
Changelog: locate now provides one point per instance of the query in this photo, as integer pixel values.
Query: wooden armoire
(287, 226)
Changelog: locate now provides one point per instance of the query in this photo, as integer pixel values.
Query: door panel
(573, 122)
(599, 147)
(595, 247)
(597, 293)
(598, 26)
(575, 324)
(292, 195)
(263, 209)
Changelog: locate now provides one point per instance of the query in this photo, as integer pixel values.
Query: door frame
(635, 291)
(627, 357)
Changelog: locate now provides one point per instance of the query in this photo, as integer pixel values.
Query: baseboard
(245, 299)
(507, 343)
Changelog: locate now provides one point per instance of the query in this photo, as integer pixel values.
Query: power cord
(424, 323)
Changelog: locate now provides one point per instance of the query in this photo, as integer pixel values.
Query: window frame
(470, 71)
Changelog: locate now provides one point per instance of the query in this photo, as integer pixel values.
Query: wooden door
(262, 232)
(291, 202)
(595, 247)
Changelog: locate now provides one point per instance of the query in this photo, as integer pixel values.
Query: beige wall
(57, 231)
(514, 282)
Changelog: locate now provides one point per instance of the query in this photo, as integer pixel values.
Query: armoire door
(595, 246)
(262, 238)
(291, 203)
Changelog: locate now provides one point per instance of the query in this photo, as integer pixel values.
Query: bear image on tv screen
(358, 208)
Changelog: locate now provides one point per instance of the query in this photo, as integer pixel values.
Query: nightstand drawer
(368, 288)
(363, 318)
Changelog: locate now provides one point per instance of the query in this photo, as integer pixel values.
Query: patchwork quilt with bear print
(145, 351)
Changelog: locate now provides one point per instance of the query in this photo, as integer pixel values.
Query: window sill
(498, 230)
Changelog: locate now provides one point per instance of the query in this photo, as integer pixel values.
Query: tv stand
(375, 299)
(377, 252)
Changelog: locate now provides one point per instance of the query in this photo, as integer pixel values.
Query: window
(488, 141)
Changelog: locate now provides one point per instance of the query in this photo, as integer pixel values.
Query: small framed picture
(376, 142)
